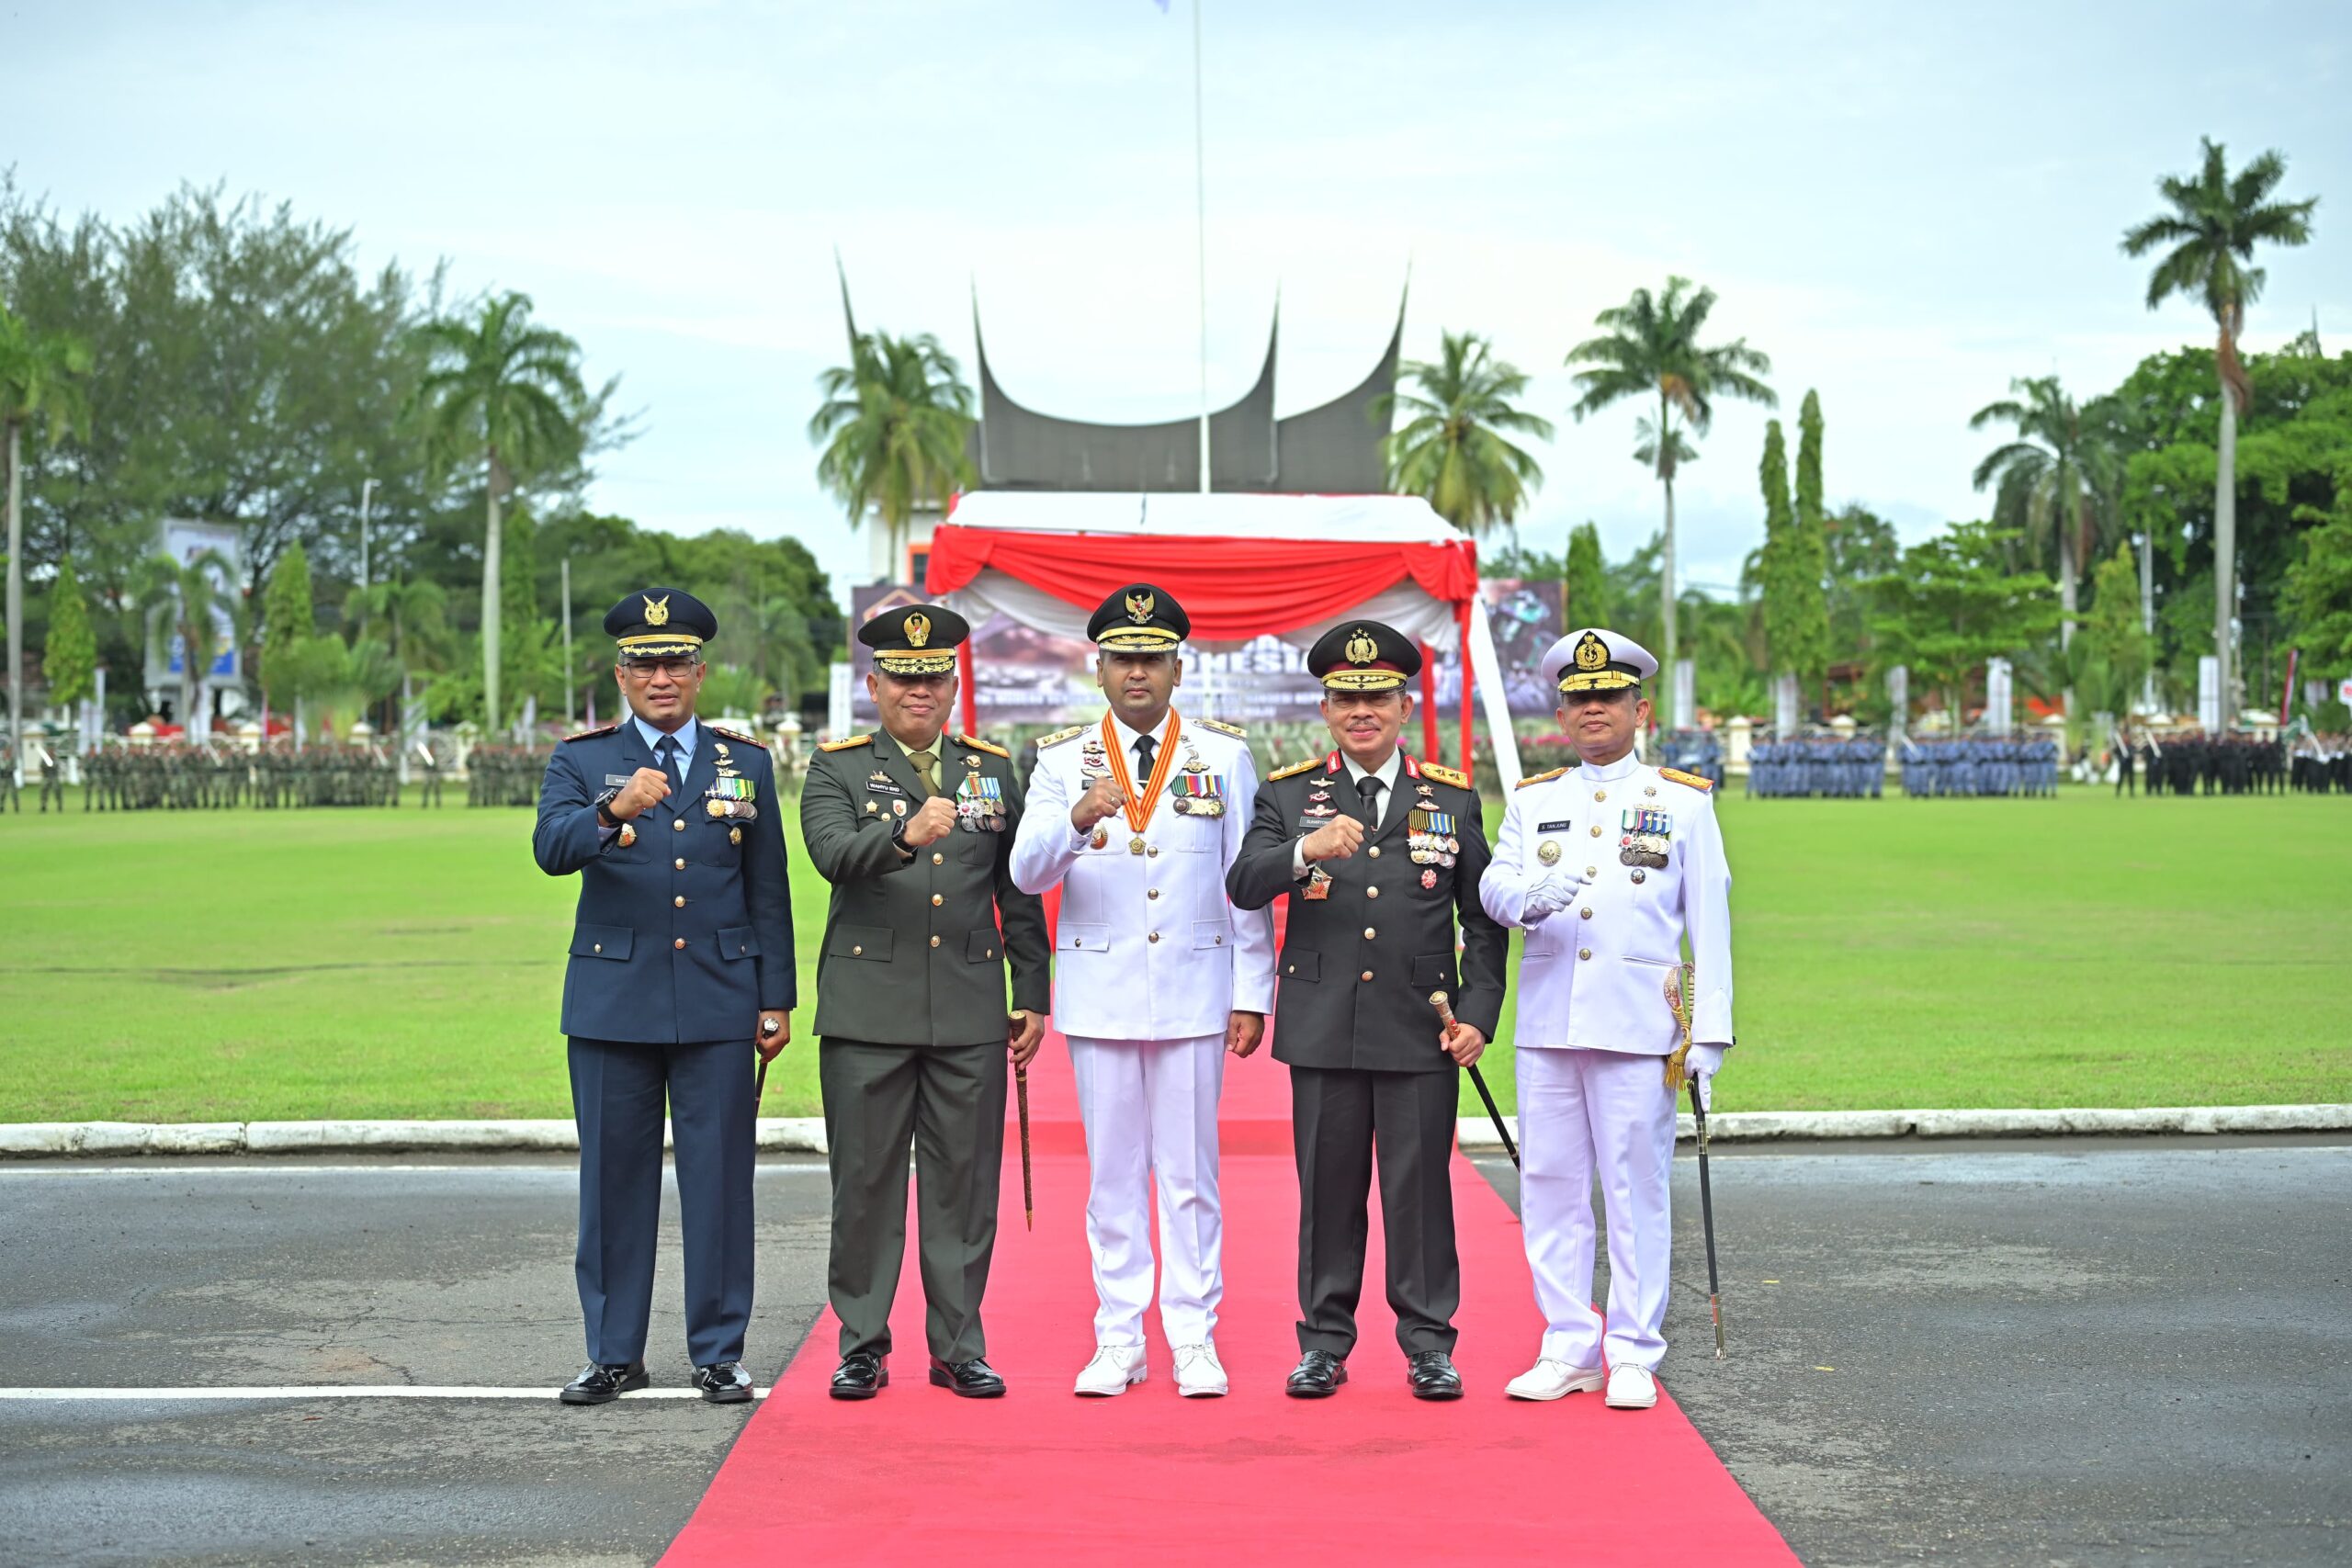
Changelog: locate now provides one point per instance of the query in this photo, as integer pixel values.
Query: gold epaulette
(1222, 729)
(592, 734)
(976, 744)
(1693, 780)
(1296, 768)
(854, 740)
(1541, 778)
(1059, 736)
(739, 736)
(1445, 776)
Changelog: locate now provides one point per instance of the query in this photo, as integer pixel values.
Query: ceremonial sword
(1445, 1017)
(1675, 1076)
(1028, 1187)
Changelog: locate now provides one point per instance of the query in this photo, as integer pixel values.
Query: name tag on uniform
(880, 785)
(1560, 827)
(611, 779)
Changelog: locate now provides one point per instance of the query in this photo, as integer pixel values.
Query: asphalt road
(2083, 1354)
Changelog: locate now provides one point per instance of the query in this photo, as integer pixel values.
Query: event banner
(1028, 677)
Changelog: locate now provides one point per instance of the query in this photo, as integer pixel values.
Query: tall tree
(2215, 223)
(2058, 484)
(2318, 587)
(196, 593)
(1585, 582)
(69, 659)
(2115, 652)
(1955, 602)
(1454, 449)
(40, 378)
(1804, 579)
(1652, 349)
(507, 394)
(894, 427)
(288, 623)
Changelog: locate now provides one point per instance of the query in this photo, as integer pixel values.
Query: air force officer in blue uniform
(681, 967)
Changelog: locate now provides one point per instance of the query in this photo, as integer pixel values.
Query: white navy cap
(1591, 659)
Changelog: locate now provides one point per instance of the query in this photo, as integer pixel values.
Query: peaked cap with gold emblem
(1363, 656)
(1139, 618)
(1592, 660)
(660, 622)
(915, 639)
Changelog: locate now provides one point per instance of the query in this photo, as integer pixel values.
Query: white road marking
(304, 1391)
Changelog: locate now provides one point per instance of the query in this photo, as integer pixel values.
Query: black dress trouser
(1339, 1117)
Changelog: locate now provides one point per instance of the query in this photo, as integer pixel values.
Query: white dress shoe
(1632, 1388)
(1199, 1374)
(1556, 1380)
(1113, 1368)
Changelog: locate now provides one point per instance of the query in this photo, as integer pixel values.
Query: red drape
(1232, 589)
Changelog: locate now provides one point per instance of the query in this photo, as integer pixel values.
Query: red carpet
(1370, 1476)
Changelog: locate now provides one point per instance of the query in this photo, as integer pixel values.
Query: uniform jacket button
(1372, 892)
(1591, 871)
(934, 941)
(1367, 973)
(679, 863)
(1586, 914)
(1154, 937)
(990, 953)
(1290, 968)
(858, 950)
(1369, 933)
(1375, 852)
(680, 901)
(1595, 830)
(680, 943)
(938, 858)
(1152, 892)
(1153, 852)
(937, 899)
(1601, 795)
(679, 825)
(1584, 952)
(600, 947)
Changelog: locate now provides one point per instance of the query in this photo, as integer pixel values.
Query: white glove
(1703, 1064)
(1553, 892)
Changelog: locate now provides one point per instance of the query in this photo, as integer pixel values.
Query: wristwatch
(898, 836)
(604, 805)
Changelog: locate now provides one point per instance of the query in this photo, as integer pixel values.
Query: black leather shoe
(1317, 1375)
(974, 1378)
(862, 1375)
(1430, 1376)
(601, 1384)
(724, 1382)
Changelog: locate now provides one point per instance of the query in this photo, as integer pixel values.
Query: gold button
(1367, 973)
(937, 899)
(990, 953)
(1591, 871)
(1584, 952)
(938, 858)
(1601, 795)
(680, 901)
(934, 941)
(1595, 830)
(1153, 893)
(1220, 939)
(1369, 933)
(679, 863)
(1372, 892)
(600, 947)
(1154, 937)
(1153, 852)
(1375, 852)
(1290, 968)
(1585, 914)
(679, 825)
(857, 951)
(680, 943)
(1074, 941)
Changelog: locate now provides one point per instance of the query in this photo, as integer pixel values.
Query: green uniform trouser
(948, 1102)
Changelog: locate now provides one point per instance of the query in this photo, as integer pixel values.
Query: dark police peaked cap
(1139, 618)
(1363, 656)
(914, 639)
(660, 622)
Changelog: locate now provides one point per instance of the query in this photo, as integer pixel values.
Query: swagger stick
(1445, 1017)
(1681, 977)
(1028, 1187)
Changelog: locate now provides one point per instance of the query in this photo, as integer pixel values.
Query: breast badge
(1548, 852)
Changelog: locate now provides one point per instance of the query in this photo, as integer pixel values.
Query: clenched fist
(1336, 840)
(1101, 797)
(933, 820)
(645, 787)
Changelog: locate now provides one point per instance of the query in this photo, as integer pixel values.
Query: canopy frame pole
(1462, 624)
(1428, 702)
(964, 672)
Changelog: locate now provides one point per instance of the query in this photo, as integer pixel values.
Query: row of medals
(979, 801)
(1643, 841)
(1094, 763)
(730, 798)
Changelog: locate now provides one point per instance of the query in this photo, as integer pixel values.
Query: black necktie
(1145, 747)
(667, 749)
(1368, 791)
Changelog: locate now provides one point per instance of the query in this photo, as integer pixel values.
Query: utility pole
(1200, 239)
(366, 491)
(570, 681)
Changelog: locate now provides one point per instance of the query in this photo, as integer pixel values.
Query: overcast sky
(1905, 206)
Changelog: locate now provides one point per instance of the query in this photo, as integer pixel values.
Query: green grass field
(235, 965)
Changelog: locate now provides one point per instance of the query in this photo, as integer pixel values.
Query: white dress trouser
(1579, 1112)
(1150, 1108)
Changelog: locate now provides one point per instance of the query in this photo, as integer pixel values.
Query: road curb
(806, 1134)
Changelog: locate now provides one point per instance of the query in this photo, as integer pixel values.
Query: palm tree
(40, 378)
(2058, 482)
(2215, 223)
(1452, 450)
(507, 394)
(198, 600)
(1653, 349)
(417, 611)
(894, 427)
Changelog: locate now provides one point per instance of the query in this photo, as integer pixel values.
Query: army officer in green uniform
(914, 830)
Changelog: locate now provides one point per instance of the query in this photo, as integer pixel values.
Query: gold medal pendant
(1139, 804)
(1135, 845)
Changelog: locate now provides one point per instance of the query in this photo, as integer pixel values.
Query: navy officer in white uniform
(1156, 977)
(1607, 866)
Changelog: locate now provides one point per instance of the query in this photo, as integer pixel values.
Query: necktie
(1368, 791)
(667, 749)
(926, 769)
(1145, 747)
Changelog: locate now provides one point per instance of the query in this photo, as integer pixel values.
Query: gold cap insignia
(1592, 653)
(1362, 649)
(1139, 606)
(918, 629)
(657, 612)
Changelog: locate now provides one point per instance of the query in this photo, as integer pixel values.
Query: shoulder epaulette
(1445, 776)
(1693, 780)
(1541, 778)
(1059, 736)
(737, 735)
(976, 744)
(592, 734)
(1222, 729)
(846, 744)
(1293, 768)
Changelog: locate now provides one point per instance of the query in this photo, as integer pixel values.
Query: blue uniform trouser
(618, 1091)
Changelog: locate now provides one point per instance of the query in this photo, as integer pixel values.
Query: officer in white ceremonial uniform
(1156, 978)
(1607, 867)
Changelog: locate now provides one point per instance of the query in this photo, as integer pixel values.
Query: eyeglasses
(675, 668)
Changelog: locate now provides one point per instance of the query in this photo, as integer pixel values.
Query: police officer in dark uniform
(1380, 855)
(681, 966)
(914, 830)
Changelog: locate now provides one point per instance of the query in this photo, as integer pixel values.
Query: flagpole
(1200, 239)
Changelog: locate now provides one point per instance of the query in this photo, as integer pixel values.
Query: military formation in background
(1979, 765)
(504, 776)
(1696, 752)
(182, 777)
(2321, 764)
(2198, 763)
(1851, 768)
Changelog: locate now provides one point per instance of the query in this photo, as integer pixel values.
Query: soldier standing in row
(1137, 819)
(1606, 867)
(915, 832)
(1379, 855)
